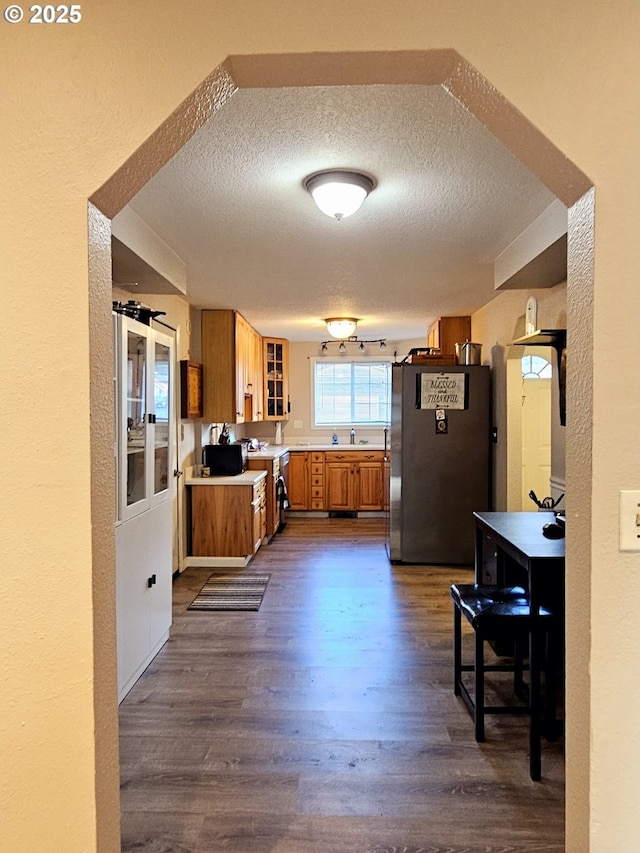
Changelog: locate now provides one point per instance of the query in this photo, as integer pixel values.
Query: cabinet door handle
(151, 581)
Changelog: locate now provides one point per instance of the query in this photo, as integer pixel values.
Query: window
(351, 393)
(535, 367)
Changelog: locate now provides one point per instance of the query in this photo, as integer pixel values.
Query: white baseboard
(216, 562)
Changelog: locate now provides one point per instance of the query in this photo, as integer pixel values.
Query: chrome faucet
(352, 437)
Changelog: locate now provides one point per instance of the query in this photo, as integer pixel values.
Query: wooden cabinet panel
(299, 482)
(232, 368)
(354, 456)
(446, 332)
(219, 366)
(336, 480)
(353, 483)
(340, 482)
(228, 521)
(242, 365)
(222, 521)
(272, 467)
(370, 491)
(253, 375)
(259, 504)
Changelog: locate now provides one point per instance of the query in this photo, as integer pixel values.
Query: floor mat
(225, 591)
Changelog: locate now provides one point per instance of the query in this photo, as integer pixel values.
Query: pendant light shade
(341, 327)
(339, 193)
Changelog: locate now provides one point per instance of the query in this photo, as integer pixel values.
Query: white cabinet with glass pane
(144, 381)
(145, 485)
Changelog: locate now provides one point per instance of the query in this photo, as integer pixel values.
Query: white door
(536, 440)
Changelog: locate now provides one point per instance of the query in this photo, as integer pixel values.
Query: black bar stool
(503, 614)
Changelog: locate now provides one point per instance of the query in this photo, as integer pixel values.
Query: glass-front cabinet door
(161, 409)
(145, 416)
(276, 384)
(136, 414)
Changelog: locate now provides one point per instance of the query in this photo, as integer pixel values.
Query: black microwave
(229, 459)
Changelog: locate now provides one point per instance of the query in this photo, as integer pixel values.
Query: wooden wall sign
(191, 389)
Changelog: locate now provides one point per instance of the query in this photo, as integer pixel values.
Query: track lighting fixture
(353, 339)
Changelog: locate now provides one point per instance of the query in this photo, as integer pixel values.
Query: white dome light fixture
(339, 193)
(341, 327)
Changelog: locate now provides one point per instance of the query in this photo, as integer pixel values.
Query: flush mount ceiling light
(341, 327)
(339, 193)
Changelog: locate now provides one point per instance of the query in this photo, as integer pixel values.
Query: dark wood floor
(325, 722)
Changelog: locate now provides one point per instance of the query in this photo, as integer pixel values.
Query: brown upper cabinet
(232, 359)
(446, 332)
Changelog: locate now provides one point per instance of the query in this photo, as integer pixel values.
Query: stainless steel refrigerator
(440, 455)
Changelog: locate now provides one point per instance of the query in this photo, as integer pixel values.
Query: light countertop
(247, 478)
(271, 452)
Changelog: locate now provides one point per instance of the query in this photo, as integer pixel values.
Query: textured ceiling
(449, 199)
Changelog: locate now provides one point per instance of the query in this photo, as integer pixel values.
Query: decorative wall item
(191, 403)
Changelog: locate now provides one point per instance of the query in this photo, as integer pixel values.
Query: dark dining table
(511, 548)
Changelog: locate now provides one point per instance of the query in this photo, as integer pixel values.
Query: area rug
(225, 591)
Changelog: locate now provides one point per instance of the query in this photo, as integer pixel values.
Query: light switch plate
(297, 424)
(630, 520)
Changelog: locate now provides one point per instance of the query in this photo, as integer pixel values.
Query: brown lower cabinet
(343, 480)
(228, 521)
(353, 480)
(299, 485)
(273, 467)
